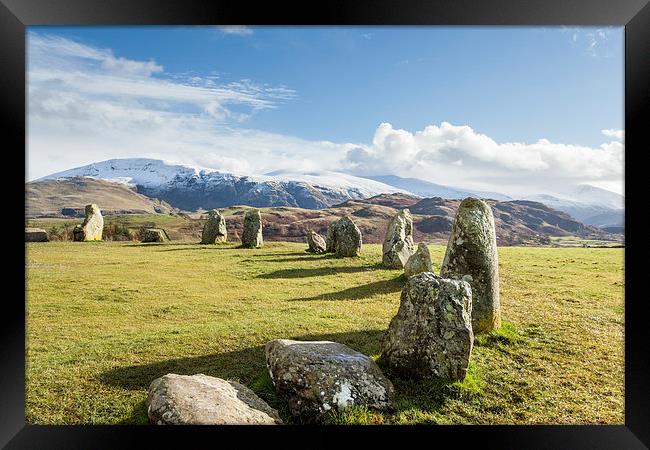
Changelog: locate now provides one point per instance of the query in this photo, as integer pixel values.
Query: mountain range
(190, 189)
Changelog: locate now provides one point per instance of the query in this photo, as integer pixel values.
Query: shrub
(117, 232)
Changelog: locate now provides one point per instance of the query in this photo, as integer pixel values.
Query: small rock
(419, 262)
(398, 243)
(92, 227)
(252, 233)
(154, 235)
(431, 335)
(343, 238)
(35, 235)
(472, 255)
(204, 400)
(214, 229)
(319, 376)
(316, 243)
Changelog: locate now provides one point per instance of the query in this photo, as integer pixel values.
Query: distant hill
(50, 197)
(428, 189)
(517, 222)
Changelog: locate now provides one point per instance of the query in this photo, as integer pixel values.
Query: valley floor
(105, 319)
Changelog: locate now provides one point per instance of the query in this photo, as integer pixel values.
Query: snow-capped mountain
(190, 188)
(589, 204)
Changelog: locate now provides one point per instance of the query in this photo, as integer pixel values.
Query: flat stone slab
(204, 400)
(319, 376)
(35, 235)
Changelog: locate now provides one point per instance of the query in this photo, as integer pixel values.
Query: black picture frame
(15, 15)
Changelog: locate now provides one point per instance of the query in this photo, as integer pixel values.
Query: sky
(506, 109)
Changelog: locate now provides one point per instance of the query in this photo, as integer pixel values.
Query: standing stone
(343, 237)
(92, 227)
(431, 335)
(319, 376)
(214, 229)
(398, 243)
(419, 262)
(154, 235)
(35, 235)
(203, 400)
(252, 233)
(316, 243)
(472, 255)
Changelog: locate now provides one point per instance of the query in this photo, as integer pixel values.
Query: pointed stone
(344, 238)
(398, 243)
(92, 227)
(252, 234)
(316, 243)
(419, 262)
(214, 229)
(472, 255)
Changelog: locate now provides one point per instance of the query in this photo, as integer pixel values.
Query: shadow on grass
(314, 272)
(359, 292)
(248, 366)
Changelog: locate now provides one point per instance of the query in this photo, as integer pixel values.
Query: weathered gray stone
(203, 400)
(214, 229)
(316, 242)
(154, 235)
(343, 237)
(431, 335)
(319, 376)
(472, 255)
(398, 243)
(418, 262)
(92, 227)
(35, 235)
(252, 233)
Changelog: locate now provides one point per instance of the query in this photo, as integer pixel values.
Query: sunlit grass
(105, 319)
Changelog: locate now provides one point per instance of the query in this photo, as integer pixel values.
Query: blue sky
(290, 96)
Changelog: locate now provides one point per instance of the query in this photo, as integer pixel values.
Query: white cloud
(618, 134)
(596, 42)
(457, 155)
(240, 30)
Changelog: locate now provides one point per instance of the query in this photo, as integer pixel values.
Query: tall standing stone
(398, 243)
(472, 255)
(431, 335)
(344, 237)
(252, 233)
(92, 227)
(214, 229)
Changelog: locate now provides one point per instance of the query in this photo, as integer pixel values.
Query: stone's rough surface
(419, 262)
(398, 243)
(252, 233)
(154, 235)
(203, 400)
(472, 255)
(431, 335)
(316, 243)
(214, 229)
(343, 237)
(35, 235)
(92, 227)
(319, 376)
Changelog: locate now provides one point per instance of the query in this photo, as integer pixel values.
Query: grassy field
(104, 319)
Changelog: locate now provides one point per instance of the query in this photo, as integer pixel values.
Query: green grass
(104, 319)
